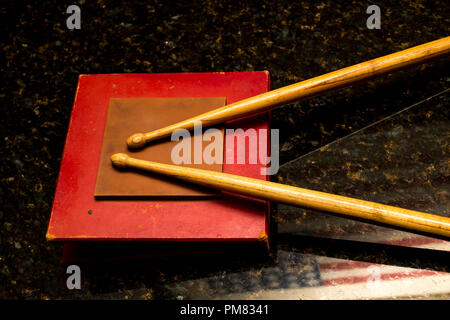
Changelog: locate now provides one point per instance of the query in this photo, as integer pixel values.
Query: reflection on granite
(401, 161)
(41, 61)
(304, 276)
(290, 270)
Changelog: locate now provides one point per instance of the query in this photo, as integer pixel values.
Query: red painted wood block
(77, 215)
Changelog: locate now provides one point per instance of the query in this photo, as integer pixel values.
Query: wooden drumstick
(408, 219)
(302, 90)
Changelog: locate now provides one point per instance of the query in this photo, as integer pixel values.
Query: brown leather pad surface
(132, 115)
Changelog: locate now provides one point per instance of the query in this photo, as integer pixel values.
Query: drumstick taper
(302, 90)
(407, 219)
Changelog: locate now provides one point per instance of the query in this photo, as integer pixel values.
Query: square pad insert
(127, 116)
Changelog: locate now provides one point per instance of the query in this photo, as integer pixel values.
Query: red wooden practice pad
(78, 215)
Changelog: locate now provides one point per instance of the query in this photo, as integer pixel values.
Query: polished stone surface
(295, 40)
(400, 161)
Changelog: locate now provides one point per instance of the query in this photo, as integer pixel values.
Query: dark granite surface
(401, 161)
(295, 40)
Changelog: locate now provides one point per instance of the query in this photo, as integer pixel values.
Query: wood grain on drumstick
(408, 219)
(303, 90)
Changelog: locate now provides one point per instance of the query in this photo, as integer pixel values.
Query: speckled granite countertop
(294, 40)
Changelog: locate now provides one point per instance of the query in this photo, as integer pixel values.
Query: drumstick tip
(119, 160)
(137, 140)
